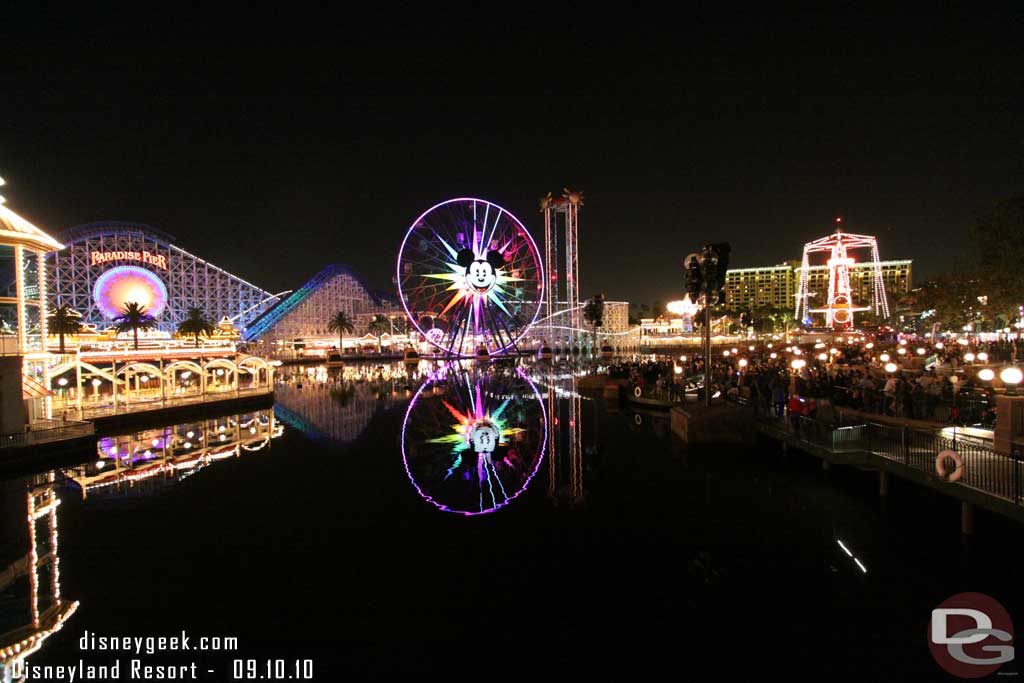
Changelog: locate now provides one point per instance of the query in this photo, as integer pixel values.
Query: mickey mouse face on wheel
(484, 437)
(481, 274)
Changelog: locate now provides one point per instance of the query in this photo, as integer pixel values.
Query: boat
(334, 359)
(607, 351)
(411, 357)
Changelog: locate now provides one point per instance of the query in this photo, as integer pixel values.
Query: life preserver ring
(637, 391)
(637, 419)
(940, 465)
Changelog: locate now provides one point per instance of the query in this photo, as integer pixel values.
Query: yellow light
(1011, 375)
(750, 348)
(769, 346)
(679, 370)
(822, 356)
(773, 355)
(798, 363)
(901, 350)
(891, 367)
(734, 350)
(819, 345)
(725, 353)
(986, 374)
(833, 351)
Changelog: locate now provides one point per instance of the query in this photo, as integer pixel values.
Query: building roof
(15, 228)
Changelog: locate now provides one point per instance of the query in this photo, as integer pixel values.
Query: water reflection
(33, 608)
(473, 437)
(334, 406)
(141, 462)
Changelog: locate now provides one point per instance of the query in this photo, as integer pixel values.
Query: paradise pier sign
(158, 260)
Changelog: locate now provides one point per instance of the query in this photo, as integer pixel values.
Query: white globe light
(743, 362)
(96, 382)
(982, 356)
(678, 370)
(822, 356)
(725, 353)
(773, 355)
(798, 363)
(969, 357)
(891, 367)
(939, 345)
(901, 350)
(986, 374)
(962, 342)
(903, 342)
(921, 351)
(884, 358)
(750, 348)
(796, 351)
(1011, 375)
(869, 345)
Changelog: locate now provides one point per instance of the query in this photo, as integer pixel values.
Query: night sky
(272, 155)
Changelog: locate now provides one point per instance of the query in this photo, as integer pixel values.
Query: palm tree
(341, 324)
(64, 320)
(195, 324)
(377, 327)
(134, 317)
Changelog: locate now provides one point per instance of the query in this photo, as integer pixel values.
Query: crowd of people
(851, 375)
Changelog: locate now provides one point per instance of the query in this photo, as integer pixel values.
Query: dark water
(605, 547)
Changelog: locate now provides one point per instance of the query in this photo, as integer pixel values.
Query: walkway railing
(46, 431)
(104, 409)
(984, 468)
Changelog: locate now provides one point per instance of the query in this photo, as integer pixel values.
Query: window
(8, 272)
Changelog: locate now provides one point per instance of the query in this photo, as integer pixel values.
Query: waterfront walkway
(153, 402)
(972, 471)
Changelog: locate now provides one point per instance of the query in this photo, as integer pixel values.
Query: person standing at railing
(795, 408)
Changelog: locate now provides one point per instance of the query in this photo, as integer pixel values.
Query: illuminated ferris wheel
(470, 277)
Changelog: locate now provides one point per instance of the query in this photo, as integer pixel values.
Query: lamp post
(1011, 376)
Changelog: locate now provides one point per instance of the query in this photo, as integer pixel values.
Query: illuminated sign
(123, 284)
(158, 260)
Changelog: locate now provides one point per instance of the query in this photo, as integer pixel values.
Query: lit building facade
(24, 362)
(777, 286)
(762, 287)
(104, 265)
(306, 312)
(896, 276)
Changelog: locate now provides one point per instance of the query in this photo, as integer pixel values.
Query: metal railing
(984, 469)
(46, 431)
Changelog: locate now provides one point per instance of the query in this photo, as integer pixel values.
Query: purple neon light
(476, 248)
(508, 498)
(122, 284)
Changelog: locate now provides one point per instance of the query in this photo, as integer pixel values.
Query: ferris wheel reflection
(474, 437)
